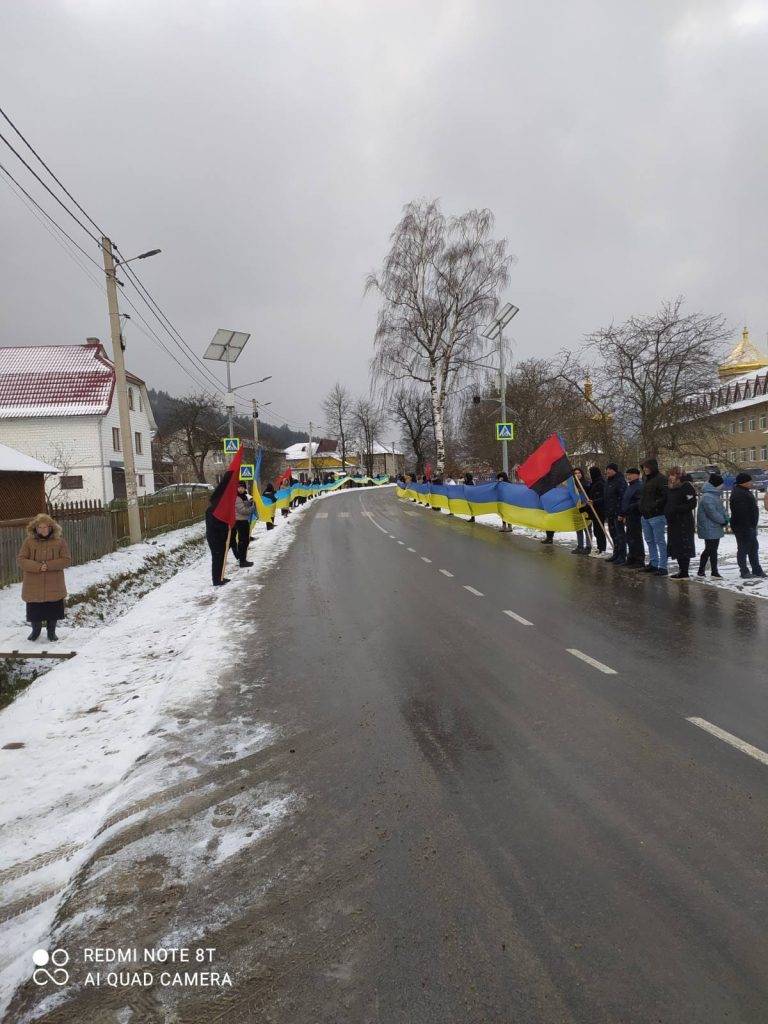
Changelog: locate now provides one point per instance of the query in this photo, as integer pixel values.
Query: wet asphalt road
(552, 843)
(486, 828)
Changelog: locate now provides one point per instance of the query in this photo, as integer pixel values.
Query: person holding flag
(220, 518)
(265, 511)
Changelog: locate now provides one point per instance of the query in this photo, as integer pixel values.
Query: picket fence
(93, 530)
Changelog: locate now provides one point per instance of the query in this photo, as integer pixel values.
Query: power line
(50, 218)
(58, 181)
(50, 190)
(166, 323)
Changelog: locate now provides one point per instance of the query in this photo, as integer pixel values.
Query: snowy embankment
(726, 557)
(72, 746)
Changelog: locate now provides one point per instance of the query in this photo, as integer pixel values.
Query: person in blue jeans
(652, 501)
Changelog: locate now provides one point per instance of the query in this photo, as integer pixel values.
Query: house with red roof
(58, 404)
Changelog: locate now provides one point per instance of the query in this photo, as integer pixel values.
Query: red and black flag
(547, 467)
(224, 501)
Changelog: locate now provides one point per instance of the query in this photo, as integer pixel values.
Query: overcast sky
(268, 148)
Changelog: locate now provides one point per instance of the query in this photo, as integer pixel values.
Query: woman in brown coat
(43, 557)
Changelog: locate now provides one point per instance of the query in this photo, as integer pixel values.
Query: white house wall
(70, 443)
(139, 423)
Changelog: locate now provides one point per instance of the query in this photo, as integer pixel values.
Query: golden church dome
(745, 358)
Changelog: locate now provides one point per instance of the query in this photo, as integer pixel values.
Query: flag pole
(606, 534)
(226, 551)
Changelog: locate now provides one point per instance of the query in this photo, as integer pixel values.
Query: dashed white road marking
(401, 542)
(446, 573)
(472, 590)
(343, 515)
(407, 513)
(591, 661)
(424, 559)
(412, 550)
(517, 618)
(321, 515)
(392, 536)
(727, 737)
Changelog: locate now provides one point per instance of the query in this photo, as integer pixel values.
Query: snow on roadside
(86, 723)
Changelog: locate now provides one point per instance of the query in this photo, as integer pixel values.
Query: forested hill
(272, 436)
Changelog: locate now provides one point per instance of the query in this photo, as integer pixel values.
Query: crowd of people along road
(662, 514)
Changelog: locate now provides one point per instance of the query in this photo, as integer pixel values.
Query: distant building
(737, 408)
(22, 484)
(58, 404)
(326, 459)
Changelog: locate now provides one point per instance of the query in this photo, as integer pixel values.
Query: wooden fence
(92, 530)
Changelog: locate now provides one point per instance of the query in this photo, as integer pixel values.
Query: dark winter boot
(36, 627)
(50, 627)
(245, 564)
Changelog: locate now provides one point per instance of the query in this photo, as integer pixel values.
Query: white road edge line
(517, 618)
(727, 737)
(424, 559)
(591, 661)
(446, 573)
(472, 590)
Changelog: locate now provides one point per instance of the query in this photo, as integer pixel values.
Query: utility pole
(309, 449)
(255, 424)
(503, 396)
(230, 397)
(121, 387)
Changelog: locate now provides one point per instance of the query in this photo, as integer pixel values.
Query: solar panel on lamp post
(225, 347)
(496, 330)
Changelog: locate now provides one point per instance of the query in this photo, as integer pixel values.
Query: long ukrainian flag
(516, 504)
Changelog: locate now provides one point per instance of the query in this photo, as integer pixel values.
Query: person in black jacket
(216, 532)
(653, 500)
(240, 536)
(678, 509)
(596, 494)
(469, 481)
(630, 519)
(268, 494)
(744, 517)
(615, 486)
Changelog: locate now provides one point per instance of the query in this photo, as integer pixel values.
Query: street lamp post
(496, 330)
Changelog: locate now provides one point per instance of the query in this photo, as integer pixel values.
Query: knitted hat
(743, 478)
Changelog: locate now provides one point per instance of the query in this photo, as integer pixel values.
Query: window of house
(130, 398)
(139, 450)
(141, 402)
(764, 454)
(743, 454)
(218, 456)
(71, 483)
(733, 426)
(753, 455)
(741, 426)
(141, 479)
(116, 438)
(751, 422)
(733, 456)
(762, 422)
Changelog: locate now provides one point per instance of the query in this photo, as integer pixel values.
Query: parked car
(172, 491)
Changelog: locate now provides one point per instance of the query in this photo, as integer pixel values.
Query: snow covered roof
(56, 380)
(12, 461)
(385, 449)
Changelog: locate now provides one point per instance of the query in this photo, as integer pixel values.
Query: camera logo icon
(58, 959)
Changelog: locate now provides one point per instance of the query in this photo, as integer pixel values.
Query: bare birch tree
(338, 415)
(439, 283)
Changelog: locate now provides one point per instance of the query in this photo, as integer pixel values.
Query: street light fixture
(495, 329)
(143, 256)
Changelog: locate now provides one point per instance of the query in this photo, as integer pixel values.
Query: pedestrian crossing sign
(231, 445)
(505, 431)
(246, 471)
